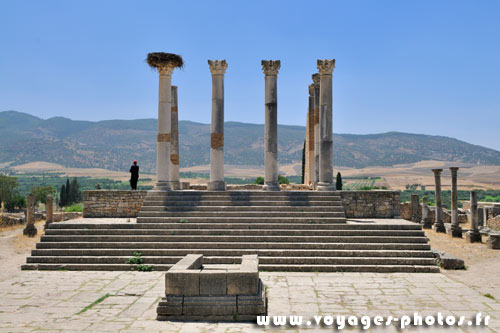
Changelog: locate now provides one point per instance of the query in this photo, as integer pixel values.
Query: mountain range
(113, 144)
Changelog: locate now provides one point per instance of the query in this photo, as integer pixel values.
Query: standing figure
(134, 175)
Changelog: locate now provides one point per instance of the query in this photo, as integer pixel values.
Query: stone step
(263, 202)
(251, 226)
(286, 246)
(252, 214)
(345, 260)
(412, 250)
(235, 232)
(294, 268)
(260, 219)
(245, 194)
(266, 209)
(231, 238)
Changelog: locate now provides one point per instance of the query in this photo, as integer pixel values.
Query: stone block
(190, 261)
(242, 283)
(209, 305)
(253, 304)
(493, 241)
(170, 305)
(182, 283)
(447, 261)
(213, 282)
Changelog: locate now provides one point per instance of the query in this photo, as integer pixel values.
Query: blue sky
(422, 66)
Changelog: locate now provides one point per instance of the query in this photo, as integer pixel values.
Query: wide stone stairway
(289, 231)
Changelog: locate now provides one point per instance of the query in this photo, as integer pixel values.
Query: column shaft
(456, 230)
(316, 90)
(438, 224)
(164, 127)
(473, 235)
(174, 141)
(49, 211)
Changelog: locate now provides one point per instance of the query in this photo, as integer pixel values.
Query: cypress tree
(75, 193)
(69, 200)
(62, 196)
(338, 181)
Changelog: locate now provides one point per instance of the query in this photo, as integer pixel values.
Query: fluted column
(456, 230)
(216, 183)
(174, 142)
(315, 78)
(473, 235)
(164, 127)
(438, 223)
(271, 68)
(325, 68)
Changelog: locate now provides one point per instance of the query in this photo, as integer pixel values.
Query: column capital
(454, 169)
(217, 67)
(311, 90)
(325, 66)
(315, 78)
(166, 69)
(437, 171)
(271, 67)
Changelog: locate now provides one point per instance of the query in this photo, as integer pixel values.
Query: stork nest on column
(158, 59)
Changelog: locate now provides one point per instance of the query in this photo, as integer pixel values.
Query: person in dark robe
(134, 175)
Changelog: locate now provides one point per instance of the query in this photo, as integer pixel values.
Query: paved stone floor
(54, 301)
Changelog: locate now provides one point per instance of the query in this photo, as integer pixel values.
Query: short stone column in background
(415, 208)
(30, 229)
(164, 63)
(455, 230)
(315, 78)
(485, 217)
(473, 235)
(271, 68)
(325, 68)
(426, 220)
(217, 183)
(438, 223)
(174, 142)
(49, 211)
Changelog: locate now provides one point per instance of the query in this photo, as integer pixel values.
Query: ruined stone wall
(112, 203)
(371, 204)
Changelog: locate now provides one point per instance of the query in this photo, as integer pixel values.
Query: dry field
(396, 177)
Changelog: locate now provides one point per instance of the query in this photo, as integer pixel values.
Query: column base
(455, 231)
(439, 227)
(473, 236)
(426, 224)
(322, 186)
(218, 185)
(46, 225)
(30, 230)
(175, 185)
(163, 186)
(271, 186)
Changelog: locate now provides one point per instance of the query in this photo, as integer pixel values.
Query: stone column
(309, 152)
(473, 235)
(174, 142)
(315, 78)
(415, 208)
(271, 68)
(438, 223)
(325, 68)
(485, 217)
(426, 221)
(456, 230)
(30, 229)
(164, 127)
(49, 211)
(216, 183)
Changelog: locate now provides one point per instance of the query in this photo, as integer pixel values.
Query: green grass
(489, 296)
(74, 208)
(99, 300)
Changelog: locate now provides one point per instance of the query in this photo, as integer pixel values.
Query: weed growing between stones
(489, 296)
(99, 300)
(136, 262)
(183, 221)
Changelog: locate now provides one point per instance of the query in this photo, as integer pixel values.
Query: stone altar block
(194, 292)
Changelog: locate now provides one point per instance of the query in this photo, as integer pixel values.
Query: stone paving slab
(68, 301)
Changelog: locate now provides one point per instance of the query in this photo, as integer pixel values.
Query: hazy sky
(428, 67)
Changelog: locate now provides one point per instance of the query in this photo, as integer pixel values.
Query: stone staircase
(290, 231)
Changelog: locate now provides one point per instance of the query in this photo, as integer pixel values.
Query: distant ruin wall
(112, 203)
(371, 204)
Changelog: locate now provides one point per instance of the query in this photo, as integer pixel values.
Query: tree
(41, 193)
(63, 199)
(8, 188)
(259, 180)
(303, 162)
(68, 198)
(16, 202)
(283, 180)
(338, 181)
(75, 194)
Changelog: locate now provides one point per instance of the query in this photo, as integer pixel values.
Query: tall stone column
(49, 211)
(438, 223)
(473, 235)
(174, 142)
(456, 230)
(309, 152)
(315, 78)
(426, 220)
(325, 68)
(415, 208)
(30, 229)
(216, 183)
(271, 68)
